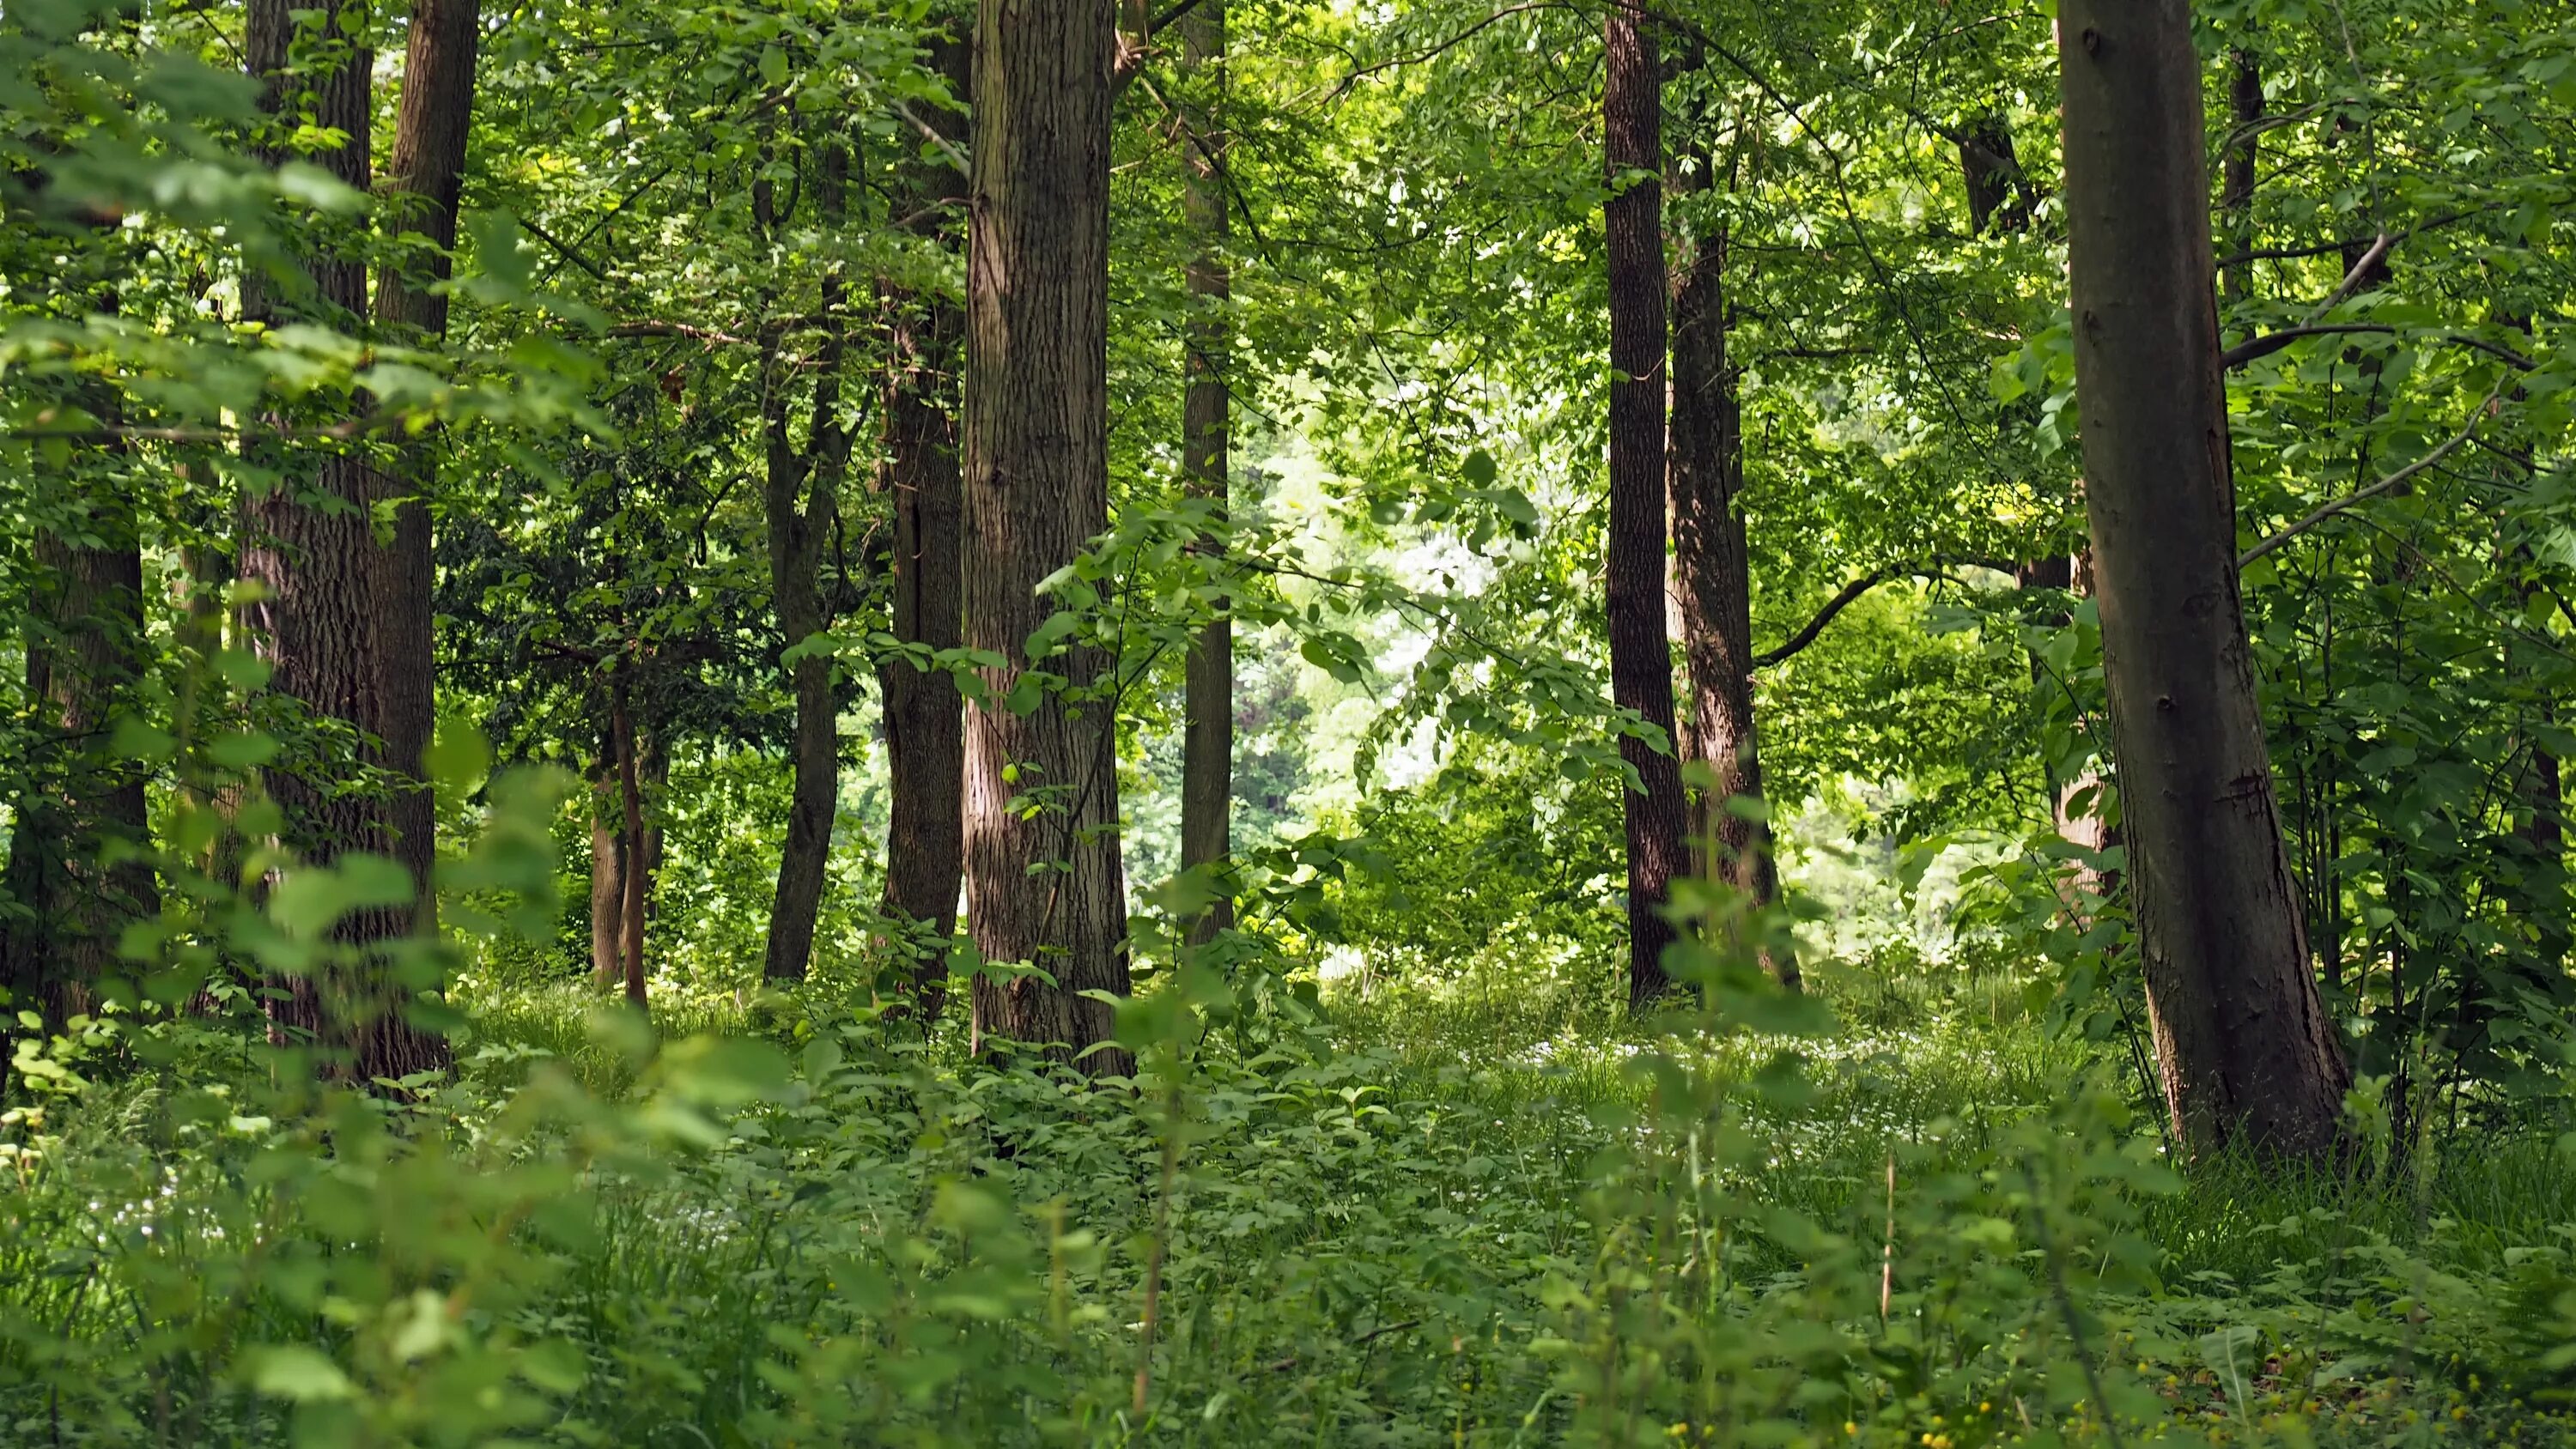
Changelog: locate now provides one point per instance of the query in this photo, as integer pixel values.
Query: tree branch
(2257, 348)
(2325, 511)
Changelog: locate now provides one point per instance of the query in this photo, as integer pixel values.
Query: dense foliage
(321, 1119)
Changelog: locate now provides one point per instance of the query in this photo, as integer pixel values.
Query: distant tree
(1207, 760)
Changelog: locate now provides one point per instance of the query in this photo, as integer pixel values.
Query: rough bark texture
(82, 801)
(2243, 1043)
(1713, 578)
(1207, 743)
(422, 183)
(1641, 661)
(801, 497)
(925, 733)
(1044, 883)
(322, 627)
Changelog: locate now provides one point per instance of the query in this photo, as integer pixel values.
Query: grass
(1473, 1223)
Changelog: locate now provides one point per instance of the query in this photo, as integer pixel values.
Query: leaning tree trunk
(801, 498)
(422, 184)
(321, 625)
(1207, 741)
(1045, 889)
(1713, 577)
(2243, 1043)
(1641, 659)
(924, 731)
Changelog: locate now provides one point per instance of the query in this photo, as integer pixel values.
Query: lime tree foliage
(521, 764)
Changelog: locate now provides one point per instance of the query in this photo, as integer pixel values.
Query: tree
(801, 500)
(924, 338)
(1207, 754)
(322, 622)
(2243, 1044)
(424, 178)
(1044, 883)
(1712, 573)
(1641, 664)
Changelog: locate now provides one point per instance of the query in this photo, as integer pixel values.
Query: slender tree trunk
(2236, 186)
(925, 733)
(1641, 661)
(1044, 883)
(1207, 744)
(322, 626)
(801, 498)
(426, 173)
(1714, 578)
(607, 874)
(2242, 1040)
(630, 797)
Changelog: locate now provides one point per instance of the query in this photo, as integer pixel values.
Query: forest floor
(1425, 1222)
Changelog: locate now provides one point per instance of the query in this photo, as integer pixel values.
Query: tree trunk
(1044, 883)
(2243, 1043)
(1714, 579)
(83, 803)
(2236, 186)
(801, 497)
(322, 628)
(1998, 193)
(924, 731)
(607, 874)
(426, 173)
(1641, 659)
(630, 796)
(1207, 741)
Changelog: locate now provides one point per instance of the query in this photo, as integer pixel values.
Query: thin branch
(2255, 349)
(931, 134)
(2324, 511)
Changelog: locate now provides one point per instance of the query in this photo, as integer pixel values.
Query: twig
(2324, 511)
(2066, 1306)
(1283, 1365)
(931, 134)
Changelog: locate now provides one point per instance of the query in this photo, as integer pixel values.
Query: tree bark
(801, 498)
(1045, 887)
(2243, 1043)
(1641, 660)
(1713, 576)
(924, 335)
(322, 626)
(1998, 193)
(84, 805)
(425, 175)
(2236, 186)
(1207, 741)
(630, 797)
(607, 874)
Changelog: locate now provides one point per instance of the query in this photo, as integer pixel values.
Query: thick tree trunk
(2243, 1043)
(925, 335)
(1641, 660)
(83, 803)
(322, 627)
(1207, 742)
(1714, 580)
(801, 497)
(426, 173)
(1045, 887)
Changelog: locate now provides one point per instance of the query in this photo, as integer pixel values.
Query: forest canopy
(744, 722)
